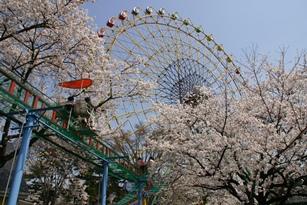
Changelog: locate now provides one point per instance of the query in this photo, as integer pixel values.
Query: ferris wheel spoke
(143, 37)
(167, 87)
(127, 50)
(168, 78)
(157, 61)
(135, 64)
(171, 45)
(157, 55)
(210, 49)
(164, 39)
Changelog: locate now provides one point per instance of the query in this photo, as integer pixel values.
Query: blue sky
(237, 24)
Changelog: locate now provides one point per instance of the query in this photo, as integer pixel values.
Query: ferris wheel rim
(215, 62)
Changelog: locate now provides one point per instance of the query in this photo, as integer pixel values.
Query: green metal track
(116, 169)
(75, 135)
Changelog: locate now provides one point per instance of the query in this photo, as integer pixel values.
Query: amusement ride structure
(167, 50)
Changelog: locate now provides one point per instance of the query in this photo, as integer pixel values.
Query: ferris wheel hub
(179, 79)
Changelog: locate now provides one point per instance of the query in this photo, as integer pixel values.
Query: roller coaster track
(26, 97)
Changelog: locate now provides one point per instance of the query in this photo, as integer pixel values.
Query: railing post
(22, 157)
(104, 183)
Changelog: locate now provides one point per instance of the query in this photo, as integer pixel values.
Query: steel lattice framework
(180, 78)
(170, 52)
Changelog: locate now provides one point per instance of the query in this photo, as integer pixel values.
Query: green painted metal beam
(116, 169)
(72, 136)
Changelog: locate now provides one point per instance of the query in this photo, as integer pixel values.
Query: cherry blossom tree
(54, 37)
(248, 149)
(46, 42)
(49, 41)
(55, 180)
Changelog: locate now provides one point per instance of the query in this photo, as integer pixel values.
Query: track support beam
(31, 120)
(104, 188)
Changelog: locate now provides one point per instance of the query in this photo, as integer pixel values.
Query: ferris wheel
(172, 53)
